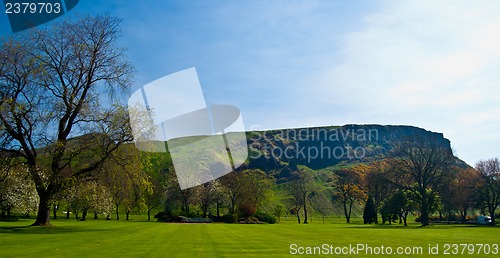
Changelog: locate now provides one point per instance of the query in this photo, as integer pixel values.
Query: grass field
(137, 238)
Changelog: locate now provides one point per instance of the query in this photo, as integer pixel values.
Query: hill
(322, 147)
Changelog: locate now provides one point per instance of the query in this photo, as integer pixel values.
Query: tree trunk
(117, 215)
(233, 204)
(149, 214)
(305, 211)
(298, 217)
(464, 215)
(205, 210)
(95, 215)
(126, 214)
(424, 217)
(424, 212)
(43, 214)
(84, 215)
(68, 212)
(54, 211)
(345, 212)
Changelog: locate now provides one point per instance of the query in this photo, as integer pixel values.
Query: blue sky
(309, 63)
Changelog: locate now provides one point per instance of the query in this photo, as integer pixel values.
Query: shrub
(264, 217)
(228, 218)
(162, 216)
(8, 219)
(250, 220)
(246, 210)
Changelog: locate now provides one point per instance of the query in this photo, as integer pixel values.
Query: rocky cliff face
(320, 147)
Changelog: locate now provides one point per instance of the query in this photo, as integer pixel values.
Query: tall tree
(423, 166)
(50, 83)
(489, 188)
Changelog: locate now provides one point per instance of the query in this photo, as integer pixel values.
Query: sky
(290, 63)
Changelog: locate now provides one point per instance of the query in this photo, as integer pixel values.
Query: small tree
(489, 189)
(348, 190)
(297, 198)
(279, 211)
(370, 212)
(377, 184)
(16, 194)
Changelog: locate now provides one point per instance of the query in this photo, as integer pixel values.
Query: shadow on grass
(416, 226)
(47, 230)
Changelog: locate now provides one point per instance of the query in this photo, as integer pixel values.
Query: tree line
(422, 179)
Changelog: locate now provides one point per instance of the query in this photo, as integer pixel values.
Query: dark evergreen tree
(370, 212)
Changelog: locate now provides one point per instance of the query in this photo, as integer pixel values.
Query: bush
(8, 219)
(246, 210)
(250, 220)
(163, 216)
(264, 217)
(228, 218)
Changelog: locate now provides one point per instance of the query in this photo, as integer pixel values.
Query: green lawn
(101, 238)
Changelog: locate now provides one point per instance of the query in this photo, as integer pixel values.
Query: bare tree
(423, 166)
(51, 81)
(489, 187)
(302, 187)
(467, 180)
